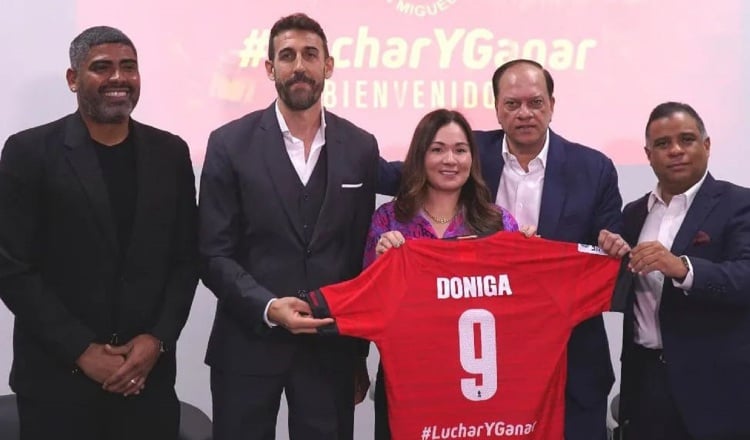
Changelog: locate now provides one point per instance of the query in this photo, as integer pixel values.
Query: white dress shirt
(295, 148)
(663, 221)
(520, 192)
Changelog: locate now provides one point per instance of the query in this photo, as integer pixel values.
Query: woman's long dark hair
(480, 214)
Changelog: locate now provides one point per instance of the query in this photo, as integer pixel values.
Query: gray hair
(94, 36)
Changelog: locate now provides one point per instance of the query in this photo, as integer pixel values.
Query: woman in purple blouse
(442, 195)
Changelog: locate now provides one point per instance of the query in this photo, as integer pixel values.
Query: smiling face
(677, 151)
(299, 68)
(524, 107)
(107, 83)
(448, 159)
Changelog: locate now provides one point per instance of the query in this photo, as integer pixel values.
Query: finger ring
(132, 381)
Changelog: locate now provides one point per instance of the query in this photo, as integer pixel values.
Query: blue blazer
(579, 198)
(706, 332)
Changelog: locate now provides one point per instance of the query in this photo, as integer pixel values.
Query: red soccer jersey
(473, 333)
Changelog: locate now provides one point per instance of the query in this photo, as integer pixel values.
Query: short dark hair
(480, 215)
(500, 71)
(94, 36)
(667, 109)
(298, 22)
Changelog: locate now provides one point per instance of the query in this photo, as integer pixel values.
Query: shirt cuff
(687, 283)
(265, 314)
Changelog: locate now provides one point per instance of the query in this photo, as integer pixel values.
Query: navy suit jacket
(579, 198)
(706, 332)
(252, 239)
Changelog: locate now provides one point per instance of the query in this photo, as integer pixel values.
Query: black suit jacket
(253, 246)
(706, 333)
(579, 198)
(61, 270)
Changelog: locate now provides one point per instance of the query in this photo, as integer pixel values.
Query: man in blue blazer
(570, 193)
(686, 337)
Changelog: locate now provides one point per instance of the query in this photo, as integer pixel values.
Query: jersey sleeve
(595, 280)
(363, 306)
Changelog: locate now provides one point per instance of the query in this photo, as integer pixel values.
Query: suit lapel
(492, 161)
(150, 183)
(634, 220)
(553, 190)
(83, 159)
(285, 179)
(705, 200)
(335, 158)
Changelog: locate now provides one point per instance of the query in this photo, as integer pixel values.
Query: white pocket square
(351, 185)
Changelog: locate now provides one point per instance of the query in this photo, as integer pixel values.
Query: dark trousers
(653, 414)
(320, 401)
(152, 415)
(585, 423)
(382, 429)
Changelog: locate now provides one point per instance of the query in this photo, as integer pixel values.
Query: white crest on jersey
(590, 249)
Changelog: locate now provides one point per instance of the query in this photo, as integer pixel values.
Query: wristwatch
(686, 263)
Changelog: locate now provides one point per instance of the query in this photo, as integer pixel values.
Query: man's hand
(652, 255)
(98, 364)
(361, 380)
(141, 354)
(613, 244)
(295, 315)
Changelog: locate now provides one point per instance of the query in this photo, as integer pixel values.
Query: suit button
(308, 252)
(304, 226)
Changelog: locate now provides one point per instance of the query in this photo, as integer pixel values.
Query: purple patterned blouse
(384, 220)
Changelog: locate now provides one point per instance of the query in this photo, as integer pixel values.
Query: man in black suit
(98, 257)
(285, 203)
(686, 336)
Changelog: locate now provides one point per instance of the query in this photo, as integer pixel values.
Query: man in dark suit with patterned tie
(686, 337)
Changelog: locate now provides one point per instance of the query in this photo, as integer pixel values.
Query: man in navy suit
(686, 337)
(570, 193)
(286, 197)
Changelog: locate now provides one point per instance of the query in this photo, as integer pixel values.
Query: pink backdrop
(202, 65)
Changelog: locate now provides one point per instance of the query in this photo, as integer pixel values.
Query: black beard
(302, 100)
(94, 106)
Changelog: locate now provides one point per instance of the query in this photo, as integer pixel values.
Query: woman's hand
(388, 240)
(528, 231)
